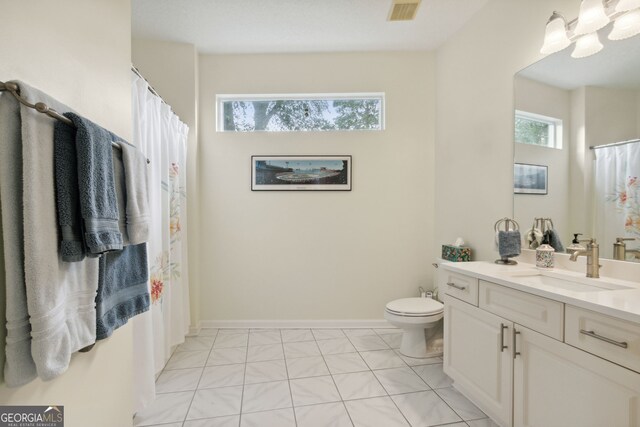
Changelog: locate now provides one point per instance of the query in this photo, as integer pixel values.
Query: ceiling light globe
(625, 26)
(626, 5)
(555, 35)
(591, 18)
(587, 45)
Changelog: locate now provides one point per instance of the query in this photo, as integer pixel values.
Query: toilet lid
(413, 306)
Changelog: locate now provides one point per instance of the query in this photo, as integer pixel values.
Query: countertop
(621, 303)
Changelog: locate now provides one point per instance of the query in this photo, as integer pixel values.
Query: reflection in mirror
(563, 107)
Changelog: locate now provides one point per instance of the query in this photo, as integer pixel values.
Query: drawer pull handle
(515, 333)
(453, 285)
(502, 346)
(605, 339)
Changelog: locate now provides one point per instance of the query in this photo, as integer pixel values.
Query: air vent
(404, 10)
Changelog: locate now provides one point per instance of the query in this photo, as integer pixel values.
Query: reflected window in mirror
(536, 129)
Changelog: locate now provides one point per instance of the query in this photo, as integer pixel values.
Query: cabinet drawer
(460, 286)
(610, 338)
(540, 314)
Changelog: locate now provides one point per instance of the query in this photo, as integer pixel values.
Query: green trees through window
(536, 129)
(282, 115)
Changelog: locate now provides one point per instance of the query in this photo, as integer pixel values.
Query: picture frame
(530, 179)
(301, 173)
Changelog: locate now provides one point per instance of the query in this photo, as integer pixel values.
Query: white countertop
(621, 303)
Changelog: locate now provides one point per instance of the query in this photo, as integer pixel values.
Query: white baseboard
(296, 324)
(194, 330)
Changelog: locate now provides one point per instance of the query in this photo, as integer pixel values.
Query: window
(285, 113)
(539, 130)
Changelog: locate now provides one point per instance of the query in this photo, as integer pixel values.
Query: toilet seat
(415, 307)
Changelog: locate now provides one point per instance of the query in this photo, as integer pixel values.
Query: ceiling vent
(404, 10)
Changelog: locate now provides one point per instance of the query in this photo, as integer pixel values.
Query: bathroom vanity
(543, 347)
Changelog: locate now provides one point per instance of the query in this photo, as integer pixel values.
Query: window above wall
(535, 129)
(300, 113)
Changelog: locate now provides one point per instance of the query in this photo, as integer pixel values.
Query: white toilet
(420, 321)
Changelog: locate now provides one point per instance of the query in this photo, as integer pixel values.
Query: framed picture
(301, 173)
(530, 179)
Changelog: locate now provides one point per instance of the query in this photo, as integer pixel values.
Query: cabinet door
(556, 385)
(475, 359)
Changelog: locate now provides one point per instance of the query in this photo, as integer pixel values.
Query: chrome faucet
(593, 258)
(620, 250)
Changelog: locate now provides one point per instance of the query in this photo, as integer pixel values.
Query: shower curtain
(617, 183)
(160, 134)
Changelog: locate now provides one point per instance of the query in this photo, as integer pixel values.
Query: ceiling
(615, 66)
(272, 26)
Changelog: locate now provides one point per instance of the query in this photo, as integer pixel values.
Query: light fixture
(627, 25)
(591, 18)
(555, 35)
(587, 45)
(626, 5)
(594, 15)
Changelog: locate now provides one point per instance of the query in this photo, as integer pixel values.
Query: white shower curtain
(160, 134)
(617, 183)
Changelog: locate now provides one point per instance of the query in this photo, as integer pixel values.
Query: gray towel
(60, 296)
(67, 192)
(19, 367)
(554, 240)
(137, 198)
(509, 243)
(123, 290)
(98, 203)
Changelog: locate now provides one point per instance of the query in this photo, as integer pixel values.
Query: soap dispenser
(544, 254)
(575, 244)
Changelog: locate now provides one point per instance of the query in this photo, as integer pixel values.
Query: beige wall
(78, 52)
(318, 255)
(474, 139)
(535, 97)
(172, 69)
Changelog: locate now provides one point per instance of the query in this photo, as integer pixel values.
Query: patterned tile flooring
(304, 378)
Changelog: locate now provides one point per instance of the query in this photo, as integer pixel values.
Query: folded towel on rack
(67, 192)
(121, 195)
(98, 202)
(554, 240)
(19, 367)
(123, 290)
(60, 296)
(534, 238)
(509, 243)
(137, 198)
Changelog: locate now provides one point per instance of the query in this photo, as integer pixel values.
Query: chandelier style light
(593, 15)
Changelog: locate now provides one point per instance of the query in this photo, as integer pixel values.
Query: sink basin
(563, 281)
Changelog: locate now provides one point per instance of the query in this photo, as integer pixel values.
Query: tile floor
(304, 378)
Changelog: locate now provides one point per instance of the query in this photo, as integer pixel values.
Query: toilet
(420, 321)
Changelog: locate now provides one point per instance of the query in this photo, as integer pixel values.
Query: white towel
(19, 368)
(137, 197)
(60, 296)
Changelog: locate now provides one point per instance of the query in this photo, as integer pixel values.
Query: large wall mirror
(563, 107)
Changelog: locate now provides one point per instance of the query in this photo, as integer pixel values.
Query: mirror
(563, 107)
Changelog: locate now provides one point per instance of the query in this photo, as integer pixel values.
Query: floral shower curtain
(617, 183)
(160, 134)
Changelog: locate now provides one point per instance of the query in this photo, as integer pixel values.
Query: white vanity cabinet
(556, 385)
(507, 354)
(477, 357)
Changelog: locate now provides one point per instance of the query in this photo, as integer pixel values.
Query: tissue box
(456, 253)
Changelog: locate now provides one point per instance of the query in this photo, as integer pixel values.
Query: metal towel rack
(41, 107)
(509, 225)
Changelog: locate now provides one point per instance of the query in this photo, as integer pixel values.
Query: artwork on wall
(530, 179)
(301, 173)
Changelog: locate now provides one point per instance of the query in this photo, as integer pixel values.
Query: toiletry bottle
(544, 254)
(575, 244)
